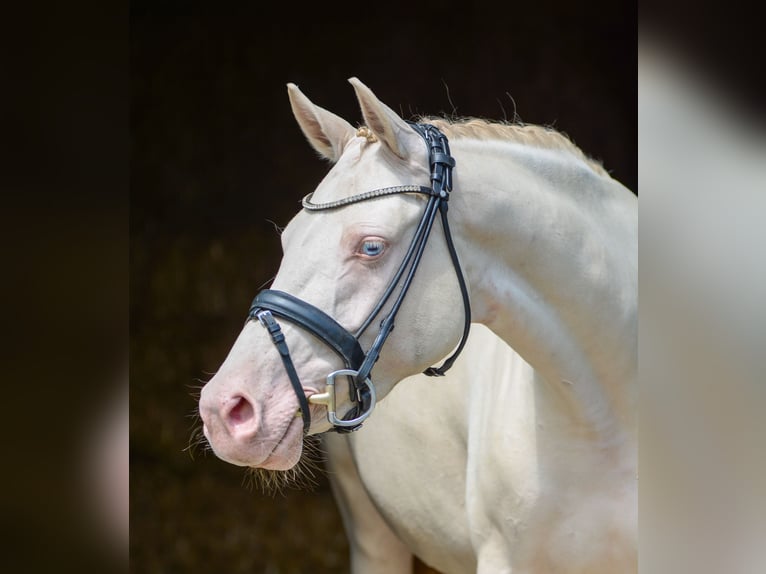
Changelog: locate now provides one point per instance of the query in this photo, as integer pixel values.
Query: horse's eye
(372, 247)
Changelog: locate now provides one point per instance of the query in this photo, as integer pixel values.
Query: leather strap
(449, 361)
(320, 324)
(325, 328)
(267, 320)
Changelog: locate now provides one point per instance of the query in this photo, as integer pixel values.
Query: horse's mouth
(287, 450)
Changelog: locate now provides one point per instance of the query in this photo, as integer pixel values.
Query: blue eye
(372, 248)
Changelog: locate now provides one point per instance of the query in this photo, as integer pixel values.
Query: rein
(271, 303)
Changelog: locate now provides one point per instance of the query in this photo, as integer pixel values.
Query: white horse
(538, 456)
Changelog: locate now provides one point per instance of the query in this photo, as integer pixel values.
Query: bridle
(270, 303)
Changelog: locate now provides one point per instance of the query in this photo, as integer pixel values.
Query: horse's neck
(550, 248)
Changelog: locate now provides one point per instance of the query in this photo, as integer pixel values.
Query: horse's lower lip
(293, 422)
(276, 456)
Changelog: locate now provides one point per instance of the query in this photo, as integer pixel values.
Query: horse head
(348, 256)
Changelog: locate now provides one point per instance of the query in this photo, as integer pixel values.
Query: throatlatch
(270, 303)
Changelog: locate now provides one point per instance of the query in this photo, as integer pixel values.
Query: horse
(538, 243)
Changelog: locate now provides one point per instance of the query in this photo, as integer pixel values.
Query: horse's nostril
(240, 412)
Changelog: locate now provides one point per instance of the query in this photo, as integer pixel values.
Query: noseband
(270, 303)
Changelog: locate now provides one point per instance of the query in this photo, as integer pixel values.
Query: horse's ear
(326, 132)
(384, 122)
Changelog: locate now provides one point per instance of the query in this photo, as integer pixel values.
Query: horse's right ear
(326, 132)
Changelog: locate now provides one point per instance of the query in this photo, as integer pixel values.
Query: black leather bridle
(271, 303)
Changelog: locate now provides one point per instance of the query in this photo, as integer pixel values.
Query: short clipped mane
(532, 135)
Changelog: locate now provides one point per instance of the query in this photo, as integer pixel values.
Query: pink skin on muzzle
(249, 410)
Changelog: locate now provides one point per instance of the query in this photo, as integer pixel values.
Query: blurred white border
(702, 275)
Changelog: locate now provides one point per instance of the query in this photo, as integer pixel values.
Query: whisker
(266, 282)
(304, 475)
(278, 228)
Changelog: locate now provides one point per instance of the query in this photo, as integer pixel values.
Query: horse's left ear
(384, 122)
(326, 132)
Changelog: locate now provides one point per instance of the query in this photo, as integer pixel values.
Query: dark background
(216, 157)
